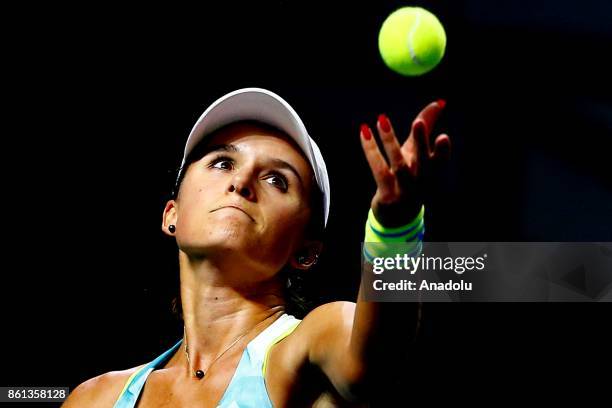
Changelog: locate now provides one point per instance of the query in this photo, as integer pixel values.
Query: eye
(222, 163)
(279, 181)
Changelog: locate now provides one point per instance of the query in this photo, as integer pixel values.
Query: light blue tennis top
(246, 389)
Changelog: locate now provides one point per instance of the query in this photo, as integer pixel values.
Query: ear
(306, 257)
(170, 216)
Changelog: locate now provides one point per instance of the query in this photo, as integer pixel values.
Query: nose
(241, 185)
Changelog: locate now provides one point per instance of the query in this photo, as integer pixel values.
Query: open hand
(399, 193)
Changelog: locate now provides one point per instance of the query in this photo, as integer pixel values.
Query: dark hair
(295, 282)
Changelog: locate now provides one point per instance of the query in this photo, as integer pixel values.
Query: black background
(102, 100)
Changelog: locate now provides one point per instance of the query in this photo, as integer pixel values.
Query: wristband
(377, 235)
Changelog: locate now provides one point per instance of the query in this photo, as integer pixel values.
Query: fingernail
(384, 123)
(441, 103)
(365, 131)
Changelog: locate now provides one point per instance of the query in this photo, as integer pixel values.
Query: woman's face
(245, 203)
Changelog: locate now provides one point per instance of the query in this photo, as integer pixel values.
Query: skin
(229, 262)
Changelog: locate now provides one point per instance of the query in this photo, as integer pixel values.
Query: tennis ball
(411, 41)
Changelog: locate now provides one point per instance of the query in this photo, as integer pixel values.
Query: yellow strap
(276, 340)
(129, 380)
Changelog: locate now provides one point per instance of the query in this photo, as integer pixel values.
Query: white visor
(266, 107)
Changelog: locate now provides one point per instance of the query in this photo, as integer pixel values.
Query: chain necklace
(199, 373)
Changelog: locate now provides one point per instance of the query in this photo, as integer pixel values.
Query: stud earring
(171, 228)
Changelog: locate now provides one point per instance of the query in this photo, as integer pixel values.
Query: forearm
(382, 329)
(367, 339)
(381, 341)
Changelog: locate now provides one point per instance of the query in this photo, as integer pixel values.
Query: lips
(237, 208)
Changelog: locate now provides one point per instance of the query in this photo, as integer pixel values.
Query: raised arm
(355, 344)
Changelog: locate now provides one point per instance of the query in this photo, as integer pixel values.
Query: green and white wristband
(377, 235)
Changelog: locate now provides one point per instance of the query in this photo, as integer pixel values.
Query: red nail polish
(384, 123)
(365, 131)
(441, 103)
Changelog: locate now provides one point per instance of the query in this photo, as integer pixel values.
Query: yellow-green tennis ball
(412, 41)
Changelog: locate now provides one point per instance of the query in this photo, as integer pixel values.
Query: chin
(233, 230)
(228, 240)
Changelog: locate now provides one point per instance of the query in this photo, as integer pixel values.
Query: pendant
(199, 374)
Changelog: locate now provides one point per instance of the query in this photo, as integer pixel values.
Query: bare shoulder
(294, 358)
(335, 317)
(328, 322)
(100, 391)
(327, 325)
(328, 330)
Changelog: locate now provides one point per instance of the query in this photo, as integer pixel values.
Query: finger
(377, 162)
(409, 150)
(390, 143)
(431, 113)
(421, 151)
(442, 148)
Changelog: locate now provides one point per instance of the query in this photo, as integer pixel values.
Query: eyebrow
(221, 148)
(234, 149)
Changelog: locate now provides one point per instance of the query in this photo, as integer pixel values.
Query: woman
(251, 202)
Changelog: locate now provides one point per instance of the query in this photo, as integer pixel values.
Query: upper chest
(237, 378)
